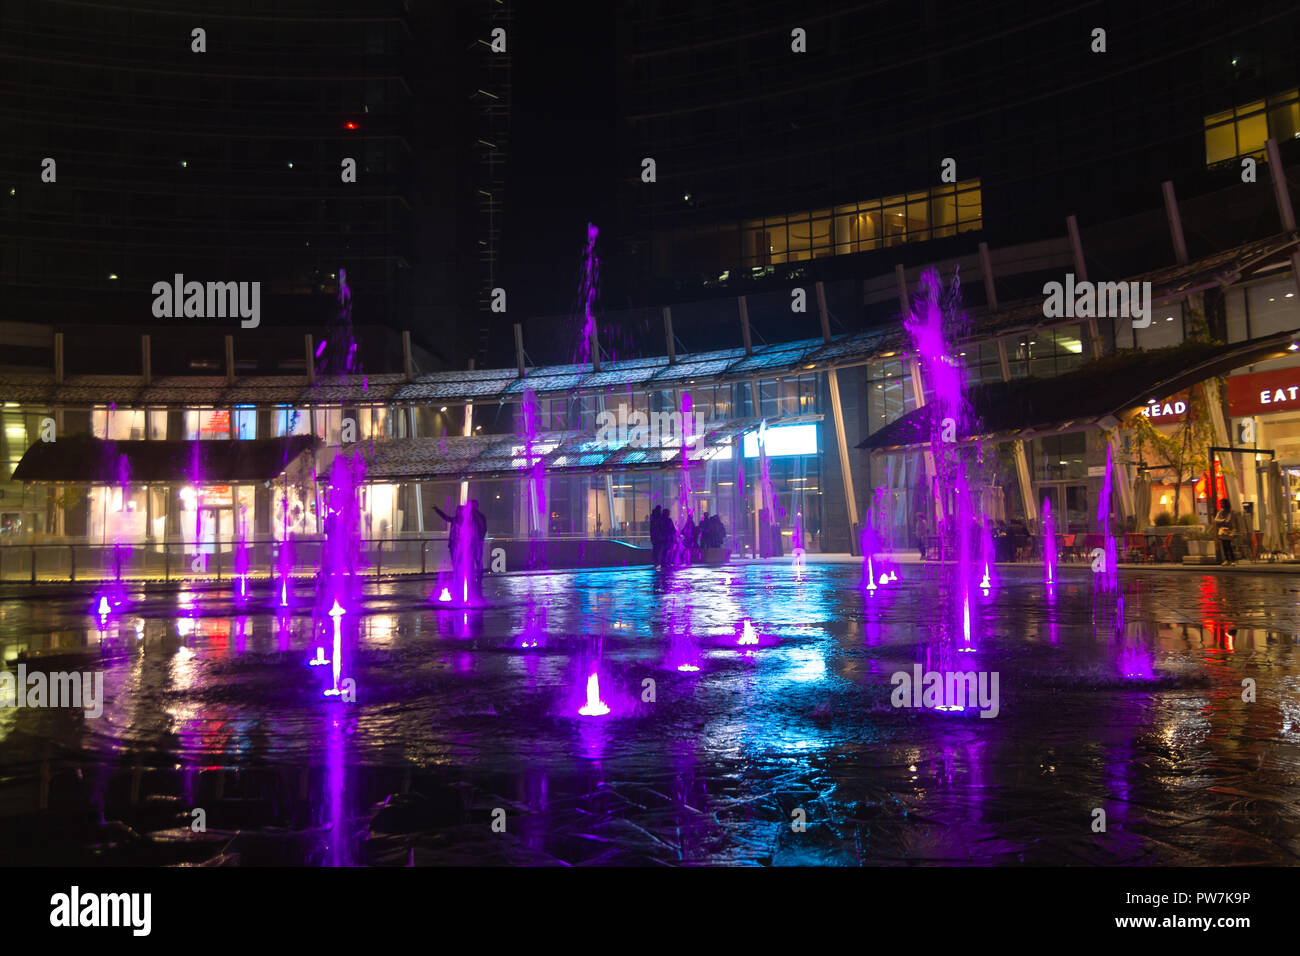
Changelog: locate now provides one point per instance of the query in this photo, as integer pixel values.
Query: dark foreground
(466, 717)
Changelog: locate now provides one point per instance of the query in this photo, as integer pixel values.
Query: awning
(506, 456)
(1102, 392)
(86, 460)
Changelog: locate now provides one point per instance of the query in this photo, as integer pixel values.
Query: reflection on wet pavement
(468, 717)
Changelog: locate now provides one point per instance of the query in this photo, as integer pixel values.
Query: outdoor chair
(1069, 551)
(1135, 547)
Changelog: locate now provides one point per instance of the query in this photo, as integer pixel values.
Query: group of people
(465, 537)
(668, 545)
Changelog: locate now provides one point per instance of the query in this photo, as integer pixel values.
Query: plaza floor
(468, 717)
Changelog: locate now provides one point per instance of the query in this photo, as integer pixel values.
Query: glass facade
(1242, 130)
(932, 213)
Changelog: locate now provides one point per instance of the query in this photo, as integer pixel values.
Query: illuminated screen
(784, 440)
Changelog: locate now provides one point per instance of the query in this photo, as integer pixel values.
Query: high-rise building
(235, 142)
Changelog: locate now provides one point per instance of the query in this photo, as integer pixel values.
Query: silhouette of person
(478, 521)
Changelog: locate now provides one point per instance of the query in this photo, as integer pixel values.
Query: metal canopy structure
(1101, 393)
(568, 452)
(459, 387)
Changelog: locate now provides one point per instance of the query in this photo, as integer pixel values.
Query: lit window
(1242, 131)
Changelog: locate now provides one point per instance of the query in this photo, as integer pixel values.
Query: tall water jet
(534, 480)
(936, 314)
(284, 553)
(1108, 599)
(240, 556)
(683, 540)
(589, 338)
(341, 553)
(771, 514)
(1049, 544)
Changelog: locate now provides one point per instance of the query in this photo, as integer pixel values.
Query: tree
(1187, 450)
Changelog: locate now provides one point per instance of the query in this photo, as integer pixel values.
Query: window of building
(1241, 131)
(943, 210)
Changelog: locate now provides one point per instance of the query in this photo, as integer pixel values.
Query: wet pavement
(466, 723)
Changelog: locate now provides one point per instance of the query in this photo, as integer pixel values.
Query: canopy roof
(82, 459)
(655, 372)
(1103, 392)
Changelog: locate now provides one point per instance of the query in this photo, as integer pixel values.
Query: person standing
(922, 531)
(478, 521)
(1223, 531)
(656, 535)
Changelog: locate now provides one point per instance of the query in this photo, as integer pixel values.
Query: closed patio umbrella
(995, 503)
(1142, 501)
(1274, 537)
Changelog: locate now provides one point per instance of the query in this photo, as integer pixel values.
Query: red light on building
(1219, 483)
(350, 125)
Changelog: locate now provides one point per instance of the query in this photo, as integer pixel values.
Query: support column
(1027, 497)
(986, 266)
(419, 498)
(823, 314)
(519, 349)
(1282, 196)
(1223, 438)
(310, 354)
(1175, 222)
(846, 472)
(670, 338)
(1081, 275)
(1028, 500)
(744, 325)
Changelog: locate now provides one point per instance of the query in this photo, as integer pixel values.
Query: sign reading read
(1169, 410)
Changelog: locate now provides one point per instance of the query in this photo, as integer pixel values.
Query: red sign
(1264, 392)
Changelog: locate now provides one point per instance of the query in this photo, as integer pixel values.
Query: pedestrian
(478, 522)
(1223, 524)
(656, 535)
(691, 538)
(453, 538)
(922, 531)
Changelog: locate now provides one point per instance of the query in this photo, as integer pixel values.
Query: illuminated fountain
(336, 613)
(533, 465)
(241, 553)
(594, 707)
(341, 562)
(748, 636)
(935, 317)
(284, 554)
(1049, 545)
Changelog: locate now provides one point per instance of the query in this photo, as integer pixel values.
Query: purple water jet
(1049, 544)
(936, 315)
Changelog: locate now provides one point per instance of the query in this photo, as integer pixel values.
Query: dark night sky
(562, 150)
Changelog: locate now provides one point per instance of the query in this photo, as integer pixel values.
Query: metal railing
(81, 560)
